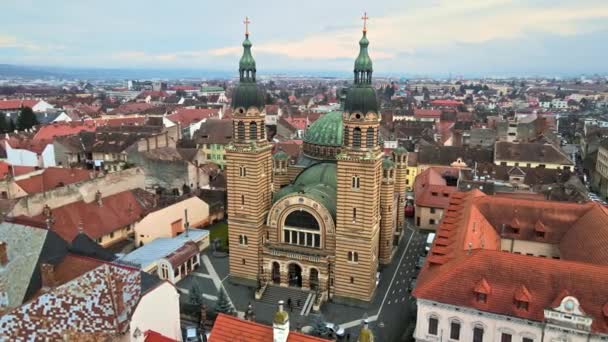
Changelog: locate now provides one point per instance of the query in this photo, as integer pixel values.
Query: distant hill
(9, 70)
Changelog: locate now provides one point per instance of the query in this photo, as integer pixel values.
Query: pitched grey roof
(24, 246)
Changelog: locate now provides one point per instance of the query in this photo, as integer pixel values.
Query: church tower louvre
(359, 176)
(248, 171)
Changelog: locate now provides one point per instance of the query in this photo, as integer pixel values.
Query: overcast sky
(491, 37)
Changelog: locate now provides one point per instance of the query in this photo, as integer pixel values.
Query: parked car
(412, 285)
(335, 329)
(429, 241)
(420, 262)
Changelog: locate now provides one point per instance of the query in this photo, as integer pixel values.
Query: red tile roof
(117, 211)
(5, 169)
(446, 103)
(182, 254)
(26, 143)
(48, 132)
(51, 178)
(475, 263)
(131, 108)
(229, 329)
(153, 336)
(431, 188)
(16, 104)
(186, 116)
(427, 113)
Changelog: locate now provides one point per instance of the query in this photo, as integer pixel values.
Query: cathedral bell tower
(359, 172)
(248, 171)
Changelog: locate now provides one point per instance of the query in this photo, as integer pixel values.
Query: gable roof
(530, 152)
(467, 250)
(117, 211)
(87, 304)
(186, 116)
(229, 328)
(51, 178)
(431, 187)
(214, 131)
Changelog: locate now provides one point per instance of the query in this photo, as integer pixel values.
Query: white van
(429, 241)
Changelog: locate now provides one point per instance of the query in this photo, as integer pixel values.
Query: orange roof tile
(51, 178)
(229, 329)
(476, 262)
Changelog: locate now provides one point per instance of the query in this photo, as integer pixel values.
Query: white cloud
(12, 42)
(442, 23)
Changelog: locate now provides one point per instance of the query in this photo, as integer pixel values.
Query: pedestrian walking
(298, 303)
(289, 304)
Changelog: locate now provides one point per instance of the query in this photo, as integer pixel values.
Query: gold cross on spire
(247, 22)
(364, 17)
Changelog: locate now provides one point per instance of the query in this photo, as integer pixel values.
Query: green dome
(317, 182)
(363, 61)
(248, 95)
(361, 99)
(280, 155)
(399, 150)
(326, 131)
(387, 163)
(247, 62)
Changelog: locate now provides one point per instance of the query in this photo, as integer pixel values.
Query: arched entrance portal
(295, 275)
(314, 279)
(276, 273)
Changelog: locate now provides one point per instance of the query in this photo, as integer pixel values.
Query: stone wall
(108, 184)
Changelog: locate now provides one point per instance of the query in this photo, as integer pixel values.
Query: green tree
(3, 124)
(319, 328)
(26, 119)
(11, 125)
(223, 305)
(196, 295)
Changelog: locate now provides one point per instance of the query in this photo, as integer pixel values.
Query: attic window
(481, 297)
(434, 193)
(540, 234)
(521, 305)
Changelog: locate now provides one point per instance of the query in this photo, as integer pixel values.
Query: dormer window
(521, 305)
(482, 290)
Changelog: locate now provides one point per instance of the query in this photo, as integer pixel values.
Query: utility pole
(186, 223)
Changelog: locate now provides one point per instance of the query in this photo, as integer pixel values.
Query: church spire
(363, 63)
(247, 63)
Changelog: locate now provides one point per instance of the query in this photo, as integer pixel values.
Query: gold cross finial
(364, 17)
(247, 22)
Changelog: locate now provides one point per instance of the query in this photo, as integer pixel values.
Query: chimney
(3, 253)
(98, 198)
(280, 325)
(47, 275)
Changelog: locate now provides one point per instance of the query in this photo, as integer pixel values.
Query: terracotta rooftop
(472, 228)
(117, 211)
(51, 178)
(187, 117)
(48, 132)
(229, 328)
(432, 189)
(530, 152)
(16, 104)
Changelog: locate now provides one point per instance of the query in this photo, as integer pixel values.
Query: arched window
(242, 171)
(253, 131)
(357, 137)
(355, 182)
(455, 330)
(263, 128)
(345, 142)
(241, 130)
(369, 141)
(240, 239)
(478, 333)
(433, 325)
(242, 199)
(354, 214)
(350, 256)
(164, 271)
(356, 257)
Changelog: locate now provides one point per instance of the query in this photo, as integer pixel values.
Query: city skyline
(497, 37)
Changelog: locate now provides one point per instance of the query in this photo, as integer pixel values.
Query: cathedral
(326, 223)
